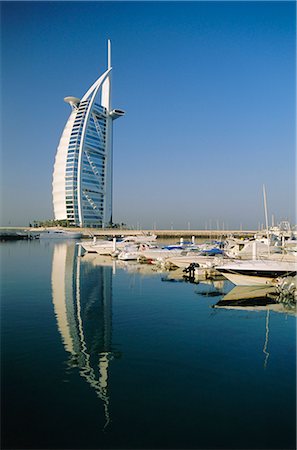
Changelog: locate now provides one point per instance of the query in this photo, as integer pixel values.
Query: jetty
(30, 233)
(20, 233)
(166, 234)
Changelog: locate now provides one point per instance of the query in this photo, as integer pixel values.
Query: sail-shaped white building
(82, 178)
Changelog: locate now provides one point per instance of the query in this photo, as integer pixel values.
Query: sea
(102, 354)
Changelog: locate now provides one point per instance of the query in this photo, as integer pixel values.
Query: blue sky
(209, 92)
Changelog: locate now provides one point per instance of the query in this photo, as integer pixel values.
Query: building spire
(106, 85)
(109, 54)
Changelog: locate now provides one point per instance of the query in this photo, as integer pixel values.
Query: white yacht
(249, 248)
(178, 251)
(147, 251)
(109, 247)
(59, 234)
(257, 271)
(130, 252)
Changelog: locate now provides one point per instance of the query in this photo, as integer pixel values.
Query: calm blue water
(103, 356)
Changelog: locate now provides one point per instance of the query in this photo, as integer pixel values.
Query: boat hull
(53, 235)
(184, 261)
(99, 249)
(109, 247)
(241, 277)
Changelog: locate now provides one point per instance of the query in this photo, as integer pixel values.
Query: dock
(15, 234)
(29, 233)
(166, 234)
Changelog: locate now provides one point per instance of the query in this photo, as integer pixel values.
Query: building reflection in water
(82, 298)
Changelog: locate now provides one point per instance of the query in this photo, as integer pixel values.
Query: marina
(111, 348)
(148, 290)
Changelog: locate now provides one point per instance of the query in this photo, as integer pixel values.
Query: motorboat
(130, 252)
(109, 247)
(210, 246)
(257, 271)
(59, 234)
(184, 249)
(249, 248)
(147, 253)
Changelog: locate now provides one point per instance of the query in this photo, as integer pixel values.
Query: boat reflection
(82, 299)
(129, 266)
(255, 298)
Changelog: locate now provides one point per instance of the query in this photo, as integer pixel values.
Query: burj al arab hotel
(82, 178)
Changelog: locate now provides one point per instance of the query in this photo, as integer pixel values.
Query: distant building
(82, 178)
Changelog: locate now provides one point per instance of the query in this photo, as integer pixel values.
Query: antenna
(108, 54)
(106, 85)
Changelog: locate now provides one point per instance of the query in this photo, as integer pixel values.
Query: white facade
(82, 179)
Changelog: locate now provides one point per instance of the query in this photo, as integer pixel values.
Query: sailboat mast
(266, 217)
